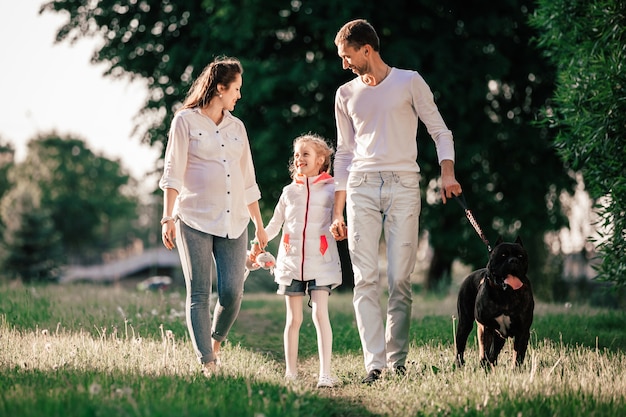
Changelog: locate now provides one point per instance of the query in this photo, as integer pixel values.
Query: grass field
(83, 350)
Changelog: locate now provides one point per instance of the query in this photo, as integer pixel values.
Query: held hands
(258, 244)
(338, 229)
(261, 238)
(258, 258)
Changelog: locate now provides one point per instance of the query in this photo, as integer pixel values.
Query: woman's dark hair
(223, 70)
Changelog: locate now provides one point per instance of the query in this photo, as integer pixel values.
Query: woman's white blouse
(211, 168)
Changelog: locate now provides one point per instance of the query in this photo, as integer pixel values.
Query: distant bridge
(122, 268)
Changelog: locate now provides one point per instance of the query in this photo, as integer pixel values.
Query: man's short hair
(358, 33)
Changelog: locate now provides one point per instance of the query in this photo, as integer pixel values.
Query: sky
(46, 86)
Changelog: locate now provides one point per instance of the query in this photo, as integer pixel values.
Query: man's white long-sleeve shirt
(377, 125)
(211, 168)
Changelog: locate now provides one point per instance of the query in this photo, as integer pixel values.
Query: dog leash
(472, 220)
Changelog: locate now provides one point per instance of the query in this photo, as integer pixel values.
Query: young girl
(307, 261)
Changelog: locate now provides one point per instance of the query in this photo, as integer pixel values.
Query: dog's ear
(500, 240)
(519, 241)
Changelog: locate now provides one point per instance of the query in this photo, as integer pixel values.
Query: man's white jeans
(387, 202)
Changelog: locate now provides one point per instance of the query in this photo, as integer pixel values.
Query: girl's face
(231, 94)
(306, 160)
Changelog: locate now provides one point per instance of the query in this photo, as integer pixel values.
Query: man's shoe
(372, 376)
(400, 370)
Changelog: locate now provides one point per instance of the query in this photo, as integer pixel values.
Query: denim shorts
(301, 288)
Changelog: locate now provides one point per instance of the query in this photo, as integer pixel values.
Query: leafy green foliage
(31, 244)
(585, 41)
(486, 79)
(85, 193)
(7, 154)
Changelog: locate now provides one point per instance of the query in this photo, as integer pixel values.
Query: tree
(32, 250)
(585, 40)
(486, 79)
(7, 160)
(85, 193)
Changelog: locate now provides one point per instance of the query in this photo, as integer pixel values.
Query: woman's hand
(168, 234)
(261, 237)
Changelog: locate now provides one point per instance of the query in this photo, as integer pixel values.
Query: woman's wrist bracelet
(254, 242)
(166, 219)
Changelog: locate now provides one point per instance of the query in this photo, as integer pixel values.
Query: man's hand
(339, 229)
(449, 185)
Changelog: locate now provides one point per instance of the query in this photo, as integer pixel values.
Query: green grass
(82, 350)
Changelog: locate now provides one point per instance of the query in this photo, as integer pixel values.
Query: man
(377, 182)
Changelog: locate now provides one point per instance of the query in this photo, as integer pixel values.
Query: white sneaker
(291, 377)
(326, 381)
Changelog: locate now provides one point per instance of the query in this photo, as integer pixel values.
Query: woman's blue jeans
(197, 251)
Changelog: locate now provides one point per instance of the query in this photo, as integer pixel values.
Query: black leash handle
(470, 216)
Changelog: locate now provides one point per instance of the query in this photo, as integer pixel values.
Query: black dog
(500, 299)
